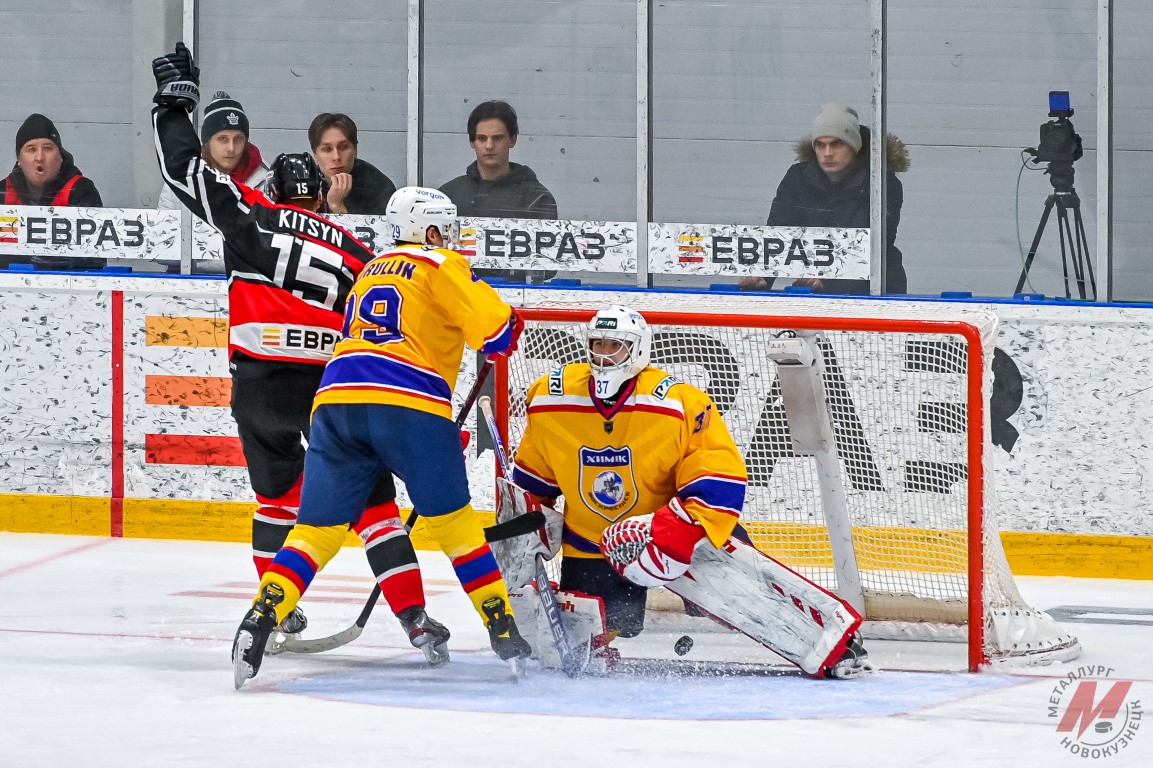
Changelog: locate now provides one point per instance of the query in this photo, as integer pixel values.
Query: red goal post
(902, 491)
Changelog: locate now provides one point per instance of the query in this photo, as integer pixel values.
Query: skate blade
(279, 643)
(519, 667)
(241, 669)
(861, 669)
(435, 654)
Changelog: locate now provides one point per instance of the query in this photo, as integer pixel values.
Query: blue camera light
(1059, 101)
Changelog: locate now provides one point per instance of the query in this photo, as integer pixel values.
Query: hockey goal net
(869, 456)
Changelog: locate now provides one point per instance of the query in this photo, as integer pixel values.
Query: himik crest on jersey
(607, 485)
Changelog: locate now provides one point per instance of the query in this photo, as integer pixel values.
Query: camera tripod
(1074, 244)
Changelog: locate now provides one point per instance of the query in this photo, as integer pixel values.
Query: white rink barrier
(121, 384)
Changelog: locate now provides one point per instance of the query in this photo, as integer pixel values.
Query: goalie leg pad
(584, 618)
(772, 604)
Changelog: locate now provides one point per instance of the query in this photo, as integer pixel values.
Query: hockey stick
(570, 662)
(346, 636)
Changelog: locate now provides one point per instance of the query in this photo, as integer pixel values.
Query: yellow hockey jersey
(661, 438)
(406, 322)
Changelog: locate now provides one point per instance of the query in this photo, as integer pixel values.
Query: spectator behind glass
(352, 185)
(45, 174)
(828, 186)
(494, 187)
(225, 146)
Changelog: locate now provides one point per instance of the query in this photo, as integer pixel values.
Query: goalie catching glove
(177, 79)
(652, 550)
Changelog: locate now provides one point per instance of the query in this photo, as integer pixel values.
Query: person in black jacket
(352, 185)
(494, 187)
(491, 185)
(828, 186)
(289, 274)
(45, 174)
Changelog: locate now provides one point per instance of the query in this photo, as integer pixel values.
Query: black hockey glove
(177, 79)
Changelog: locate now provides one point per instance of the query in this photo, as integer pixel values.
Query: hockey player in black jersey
(289, 273)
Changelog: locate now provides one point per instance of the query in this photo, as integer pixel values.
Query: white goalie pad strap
(516, 556)
(774, 605)
(584, 618)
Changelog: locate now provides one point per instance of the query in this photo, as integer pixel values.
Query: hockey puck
(683, 645)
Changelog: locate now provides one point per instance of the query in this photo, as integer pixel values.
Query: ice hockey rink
(115, 652)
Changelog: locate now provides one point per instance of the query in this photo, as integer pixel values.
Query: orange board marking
(164, 331)
(188, 390)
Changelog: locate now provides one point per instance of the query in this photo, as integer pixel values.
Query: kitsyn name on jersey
(314, 228)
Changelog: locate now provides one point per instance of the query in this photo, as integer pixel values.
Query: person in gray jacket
(828, 186)
(492, 186)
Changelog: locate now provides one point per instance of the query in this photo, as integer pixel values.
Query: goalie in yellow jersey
(653, 486)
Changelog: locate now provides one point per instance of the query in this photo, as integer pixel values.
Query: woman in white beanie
(828, 186)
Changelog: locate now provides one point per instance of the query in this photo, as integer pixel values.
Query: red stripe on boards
(198, 450)
(116, 511)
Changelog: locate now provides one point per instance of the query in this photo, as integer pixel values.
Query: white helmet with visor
(619, 345)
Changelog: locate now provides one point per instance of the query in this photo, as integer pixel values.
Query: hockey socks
(391, 556)
(461, 537)
(271, 525)
(307, 550)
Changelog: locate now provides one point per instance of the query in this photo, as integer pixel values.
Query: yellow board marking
(76, 515)
(1030, 554)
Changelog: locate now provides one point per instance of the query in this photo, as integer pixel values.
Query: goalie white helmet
(612, 364)
(412, 210)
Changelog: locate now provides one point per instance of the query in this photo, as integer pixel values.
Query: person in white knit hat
(828, 186)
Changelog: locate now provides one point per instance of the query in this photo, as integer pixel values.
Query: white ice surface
(114, 652)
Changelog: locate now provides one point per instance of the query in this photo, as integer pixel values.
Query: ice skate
(504, 636)
(294, 623)
(854, 662)
(290, 629)
(425, 633)
(253, 634)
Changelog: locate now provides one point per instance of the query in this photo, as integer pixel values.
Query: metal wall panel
(71, 61)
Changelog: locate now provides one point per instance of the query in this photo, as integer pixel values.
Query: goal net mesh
(897, 384)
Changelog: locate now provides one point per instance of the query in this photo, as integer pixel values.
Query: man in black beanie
(45, 174)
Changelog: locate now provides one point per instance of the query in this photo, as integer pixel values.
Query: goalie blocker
(516, 554)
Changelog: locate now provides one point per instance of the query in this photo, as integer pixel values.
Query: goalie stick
(570, 662)
(345, 636)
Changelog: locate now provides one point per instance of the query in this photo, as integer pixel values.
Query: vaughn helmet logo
(1096, 716)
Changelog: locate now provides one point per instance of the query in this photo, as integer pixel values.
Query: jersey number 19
(374, 316)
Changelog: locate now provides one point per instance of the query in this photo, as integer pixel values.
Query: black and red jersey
(289, 271)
